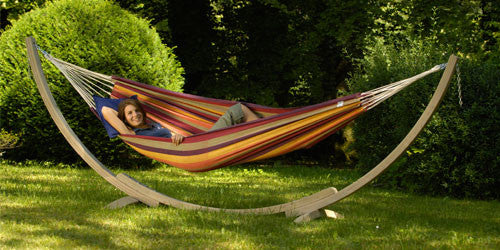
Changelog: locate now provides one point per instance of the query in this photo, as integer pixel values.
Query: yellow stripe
(253, 142)
(304, 140)
(201, 106)
(147, 99)
(221, 139)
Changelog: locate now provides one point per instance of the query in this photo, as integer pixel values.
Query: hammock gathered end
(281, 130)
(372, 98)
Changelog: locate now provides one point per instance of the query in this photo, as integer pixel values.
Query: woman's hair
(137, 104)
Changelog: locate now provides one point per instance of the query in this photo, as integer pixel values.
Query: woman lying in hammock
(131, 119)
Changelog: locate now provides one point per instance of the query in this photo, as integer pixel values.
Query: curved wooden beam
(436, 99)
(123, 182)
(139, 191)
(68, 133)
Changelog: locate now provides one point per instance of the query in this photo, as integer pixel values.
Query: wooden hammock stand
(306, 208)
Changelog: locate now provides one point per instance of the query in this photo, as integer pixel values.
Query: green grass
(62, 207)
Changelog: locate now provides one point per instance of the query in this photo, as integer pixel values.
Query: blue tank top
(156, 130)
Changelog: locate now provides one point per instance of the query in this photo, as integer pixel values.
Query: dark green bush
(7, 140)
(96, 35)
(457, 153)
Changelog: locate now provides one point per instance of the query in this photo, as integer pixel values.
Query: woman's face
(133, 116)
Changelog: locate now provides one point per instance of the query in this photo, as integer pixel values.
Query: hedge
(96, 35)
(457, 153)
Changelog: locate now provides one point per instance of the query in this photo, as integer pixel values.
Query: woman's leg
(236, 114)
(249, 114)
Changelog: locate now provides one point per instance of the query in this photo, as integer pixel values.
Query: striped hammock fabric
(279, 131)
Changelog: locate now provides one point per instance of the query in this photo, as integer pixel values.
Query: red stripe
(219, 102)
(176, 94)
(242, 126)
(181, 107)
(302, 130)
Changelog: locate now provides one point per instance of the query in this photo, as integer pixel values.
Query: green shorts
(234, 115)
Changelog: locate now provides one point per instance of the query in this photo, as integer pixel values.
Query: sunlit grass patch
(64, 207)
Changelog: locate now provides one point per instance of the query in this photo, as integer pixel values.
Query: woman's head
(130, 111)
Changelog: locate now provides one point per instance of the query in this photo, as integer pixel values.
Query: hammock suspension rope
(87, 82)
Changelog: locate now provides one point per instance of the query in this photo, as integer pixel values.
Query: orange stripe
(303, 141)
(220, 156)
(157, 103)
(186, 117)
(194, 104)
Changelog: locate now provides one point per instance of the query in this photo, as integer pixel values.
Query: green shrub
(8, 140)
(457, 153)
(96, 35)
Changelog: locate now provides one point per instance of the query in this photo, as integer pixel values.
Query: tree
(278, 53)
(12, 9)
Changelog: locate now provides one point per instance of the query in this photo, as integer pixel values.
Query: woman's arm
(111, 116)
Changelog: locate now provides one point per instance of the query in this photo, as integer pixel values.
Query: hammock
(280, 131)
(306, 208)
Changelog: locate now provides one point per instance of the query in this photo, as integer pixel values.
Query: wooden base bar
(128, 200)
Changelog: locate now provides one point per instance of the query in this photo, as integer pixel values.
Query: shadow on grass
(422, 221)
(245, 186)
(43, 204)
(70, 224)
(69, 205)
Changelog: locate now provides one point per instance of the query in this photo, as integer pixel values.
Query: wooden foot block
(308, 216)
(317, 214)
(332, 214)
(122, 202)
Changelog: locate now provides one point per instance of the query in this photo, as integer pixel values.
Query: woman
(131, 119)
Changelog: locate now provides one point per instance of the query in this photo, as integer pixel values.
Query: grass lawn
(62, 207)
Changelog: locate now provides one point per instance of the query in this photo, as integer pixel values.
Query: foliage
(286, 53)
(293, 53)
(490, 24)
(12, 9)
(283, 53)
(95, 35)
(155, 11)
(188, 27)
(8, 140)
(277, 53)
(457, 153)
(469, 27)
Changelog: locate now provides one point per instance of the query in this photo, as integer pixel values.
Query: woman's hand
(177, 138)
